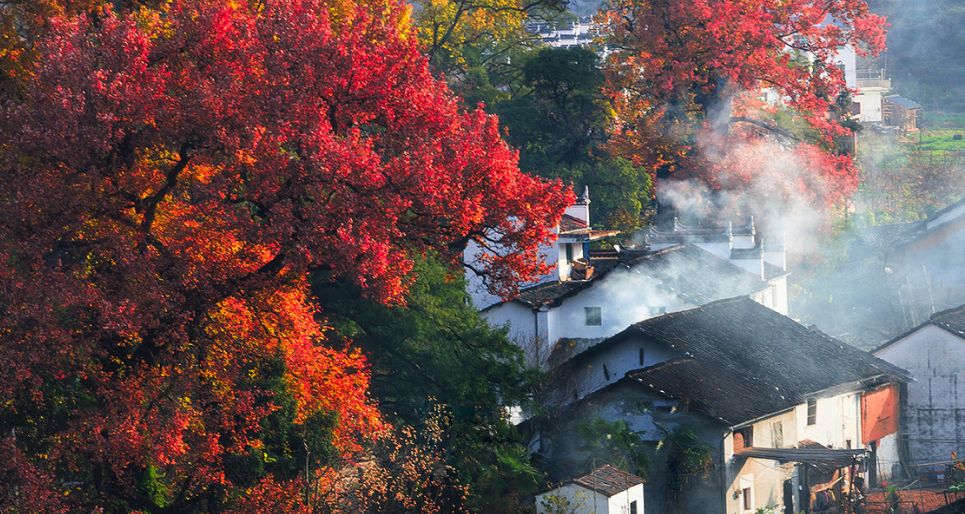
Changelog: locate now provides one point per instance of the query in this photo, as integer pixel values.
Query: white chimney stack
(581, 209)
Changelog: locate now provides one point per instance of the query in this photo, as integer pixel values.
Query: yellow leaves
(449, 26)
(154, 21)
(344, 12)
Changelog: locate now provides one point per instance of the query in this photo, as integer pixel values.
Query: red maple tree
(171, 179)
(687, 78)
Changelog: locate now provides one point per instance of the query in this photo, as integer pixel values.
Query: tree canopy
(687, 78)
(560, 119)
(171, 179)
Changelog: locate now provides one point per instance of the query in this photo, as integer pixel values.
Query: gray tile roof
(741, 361)
(903, 102)
(952, 320)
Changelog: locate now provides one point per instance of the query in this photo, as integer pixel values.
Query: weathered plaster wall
(934, 416)
(837, 422)
(522, 324)
(765, 477)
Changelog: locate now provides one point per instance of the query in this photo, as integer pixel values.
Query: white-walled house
(568, 256)
(589, 296)
(872, 86)
(627, 289)
(779, 406)
(934, 413)
(605, 490)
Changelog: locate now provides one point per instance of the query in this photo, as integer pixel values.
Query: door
(788, 497)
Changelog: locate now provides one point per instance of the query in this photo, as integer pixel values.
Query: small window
(847, 443)
(641, 356)
(748, 501)
(812, 411)
(569, 253)
(777, 435)
(594, 316)
(743, 438)
(606, 372)
(633, 507)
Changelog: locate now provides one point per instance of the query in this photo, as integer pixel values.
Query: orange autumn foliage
(171, 181)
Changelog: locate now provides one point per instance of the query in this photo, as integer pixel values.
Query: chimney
(776, 253)
(750, 259)
(581, 209)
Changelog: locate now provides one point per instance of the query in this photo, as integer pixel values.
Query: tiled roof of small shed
(902, 101)
(608, 480)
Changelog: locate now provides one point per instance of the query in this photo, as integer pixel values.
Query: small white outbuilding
(605, 490)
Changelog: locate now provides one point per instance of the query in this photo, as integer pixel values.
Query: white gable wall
(838, 420)
(935, 409)
(618, 359)
(623, 296)
(620, 503)
(573, 498)
(524, 329)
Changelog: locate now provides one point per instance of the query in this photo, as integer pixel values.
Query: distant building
(785, 411)
(934, 414)
(605, 490)
(900, 112)
(579, 32)
(925, 262)
(871, 86)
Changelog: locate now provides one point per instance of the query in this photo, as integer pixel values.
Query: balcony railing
(882, 83)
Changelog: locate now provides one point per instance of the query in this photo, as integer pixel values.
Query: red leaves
(170, 184)
(682, 63)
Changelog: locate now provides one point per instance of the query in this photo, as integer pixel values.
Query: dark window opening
(743, 438)
(746, 493)
(812, 411)
(594, 316)
(569, 253)
(641, 356)
(633, 507)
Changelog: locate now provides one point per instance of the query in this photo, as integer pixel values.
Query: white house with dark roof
(782, 409)
(589, 296)
(605, 490)
(934, 414)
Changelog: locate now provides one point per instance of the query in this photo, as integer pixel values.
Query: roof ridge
(946, 312)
